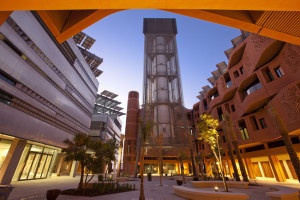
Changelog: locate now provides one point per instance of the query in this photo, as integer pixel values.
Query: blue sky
(120, 42)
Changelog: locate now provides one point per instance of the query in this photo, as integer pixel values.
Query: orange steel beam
(274, 5)
(65, 24)
(241, 20)
(4, 15)
(68, 17)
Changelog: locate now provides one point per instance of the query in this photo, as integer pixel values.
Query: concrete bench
(283, 193)
(121, 179)
(230, 184)
(195, 194)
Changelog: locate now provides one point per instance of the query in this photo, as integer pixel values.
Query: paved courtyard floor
(36, 189)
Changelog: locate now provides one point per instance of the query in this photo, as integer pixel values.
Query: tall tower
(162, 105)
(162, 100)
(131, 133)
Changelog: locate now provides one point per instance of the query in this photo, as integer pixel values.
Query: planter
(149, 175)
(5, 190)
(52, 194)
(179, 182)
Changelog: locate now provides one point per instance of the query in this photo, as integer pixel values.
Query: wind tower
(162, 98)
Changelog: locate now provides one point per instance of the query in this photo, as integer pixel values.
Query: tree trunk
(228, 142)
(219, 160)
(81, 177)
(138, 156)
(280, 126)
(240, 160)
(236, 147)
(194, 164)
(142, 193)
(236, 172)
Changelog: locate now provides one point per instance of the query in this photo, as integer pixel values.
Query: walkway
(36, 189)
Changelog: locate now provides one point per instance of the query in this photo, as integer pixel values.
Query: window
(220, 113)
(5, 145)
(227, 107)
(243, 130)
(10, 44)
(236, 74)
(205, 104)
(255, 85)
(254, 123)
(262, 123)
(279, 72)
(215, 95)
(227, 80)
(229, 84)
(232, 108)
(269, 75)
(5, 98)
(7, 79)
(242, 70)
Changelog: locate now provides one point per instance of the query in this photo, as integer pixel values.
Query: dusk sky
(120, 42)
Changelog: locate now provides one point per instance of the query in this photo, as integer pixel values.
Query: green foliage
(146, 131)
(207, 130)
(92, 155)
(112, 187)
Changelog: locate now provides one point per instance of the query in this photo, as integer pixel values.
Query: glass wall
(4, 147)
(37, 162)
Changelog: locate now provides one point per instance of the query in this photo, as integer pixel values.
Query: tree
(92, 155)
(229, 129)
(280, 126)
(208, 133)
(109, 151)
(78, 150)
(146, 129)
(181, 157)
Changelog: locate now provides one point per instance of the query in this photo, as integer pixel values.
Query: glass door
(37, 163)
(30, 165)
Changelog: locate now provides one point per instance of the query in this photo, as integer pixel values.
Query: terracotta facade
(261, 71)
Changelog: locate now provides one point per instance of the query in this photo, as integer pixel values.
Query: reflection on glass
(27, 166)
(36, 148)
(41, 167)
(47, 165)
(34, 166)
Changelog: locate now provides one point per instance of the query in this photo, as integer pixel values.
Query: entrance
(37, 163)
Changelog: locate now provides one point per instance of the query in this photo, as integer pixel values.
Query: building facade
(262, 74)
(106, 125)
(47, 95)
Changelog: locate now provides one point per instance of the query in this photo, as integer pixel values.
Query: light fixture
(216, 189)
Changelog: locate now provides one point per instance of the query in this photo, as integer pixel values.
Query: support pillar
(276, 167)
(11, 161)
(249, 168)
(74, 168)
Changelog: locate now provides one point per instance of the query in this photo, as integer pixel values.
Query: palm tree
(208, 133)
(280, 126)
(145, 132)
(78, 150)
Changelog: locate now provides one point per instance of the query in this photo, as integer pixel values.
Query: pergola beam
(274, 5)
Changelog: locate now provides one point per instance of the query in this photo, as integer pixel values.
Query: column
(11, 161)
(276, 167)
(74, 168)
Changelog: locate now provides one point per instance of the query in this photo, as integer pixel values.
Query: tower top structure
(160, 26)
